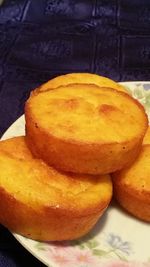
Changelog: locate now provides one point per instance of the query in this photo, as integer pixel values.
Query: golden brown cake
(16, 147)
(42, 203)
(146, 140)
(132, 186)
(85, 78)
(84, 128)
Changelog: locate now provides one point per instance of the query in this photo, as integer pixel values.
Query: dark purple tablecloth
(40, 39)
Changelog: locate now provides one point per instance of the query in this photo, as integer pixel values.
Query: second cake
(44, 204)
(84, 128)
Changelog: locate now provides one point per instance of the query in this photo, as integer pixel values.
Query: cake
(132, 186)
(146, 140)
(85, 78)
(84, 128)
(44, 204)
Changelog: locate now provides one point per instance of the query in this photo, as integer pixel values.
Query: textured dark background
(40, 39)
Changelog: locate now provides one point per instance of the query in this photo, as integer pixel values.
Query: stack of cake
(81, 130)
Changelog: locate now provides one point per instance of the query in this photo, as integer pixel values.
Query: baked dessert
(16, 147)
(146, 140)
(83, 128)
(42, 203)
(85, 78)
(132, 186)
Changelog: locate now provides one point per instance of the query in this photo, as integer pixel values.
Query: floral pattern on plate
(118, 239)
(142, 93)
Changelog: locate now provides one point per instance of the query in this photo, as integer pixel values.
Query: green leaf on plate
(92, 244)
(39, 246)
(99, 252)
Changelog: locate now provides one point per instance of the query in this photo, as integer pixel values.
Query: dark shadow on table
(12, 254)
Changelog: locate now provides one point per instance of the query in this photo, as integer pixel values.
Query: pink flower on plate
(62, 247)
(86, 258)
(67, 256)
(124, 264)
(61, 257)
(62, 254)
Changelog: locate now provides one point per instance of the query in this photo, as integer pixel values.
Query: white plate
(118, 239)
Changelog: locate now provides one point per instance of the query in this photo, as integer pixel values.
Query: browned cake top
(87, 113)
(84, 78)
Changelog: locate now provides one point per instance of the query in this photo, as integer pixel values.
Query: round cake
(132, 186)
(84, 128)
(146, 140)
(85, 78)
(42, 203)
